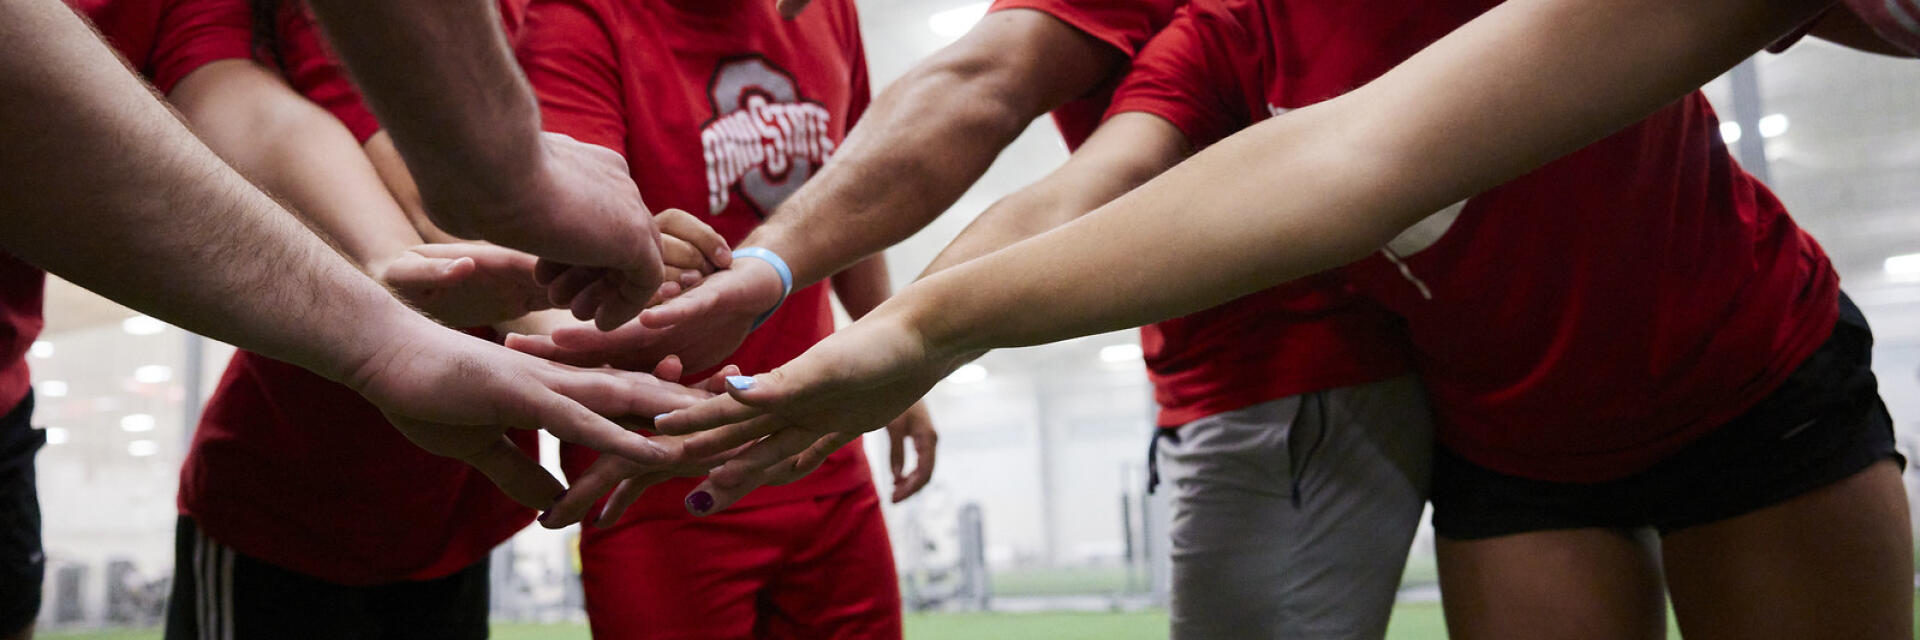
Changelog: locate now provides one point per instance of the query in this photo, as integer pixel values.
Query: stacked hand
(455, 395)
(464, 284)
(582, 215)
(702, 326)
(857, 380)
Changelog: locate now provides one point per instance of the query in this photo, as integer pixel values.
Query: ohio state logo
(764, 139)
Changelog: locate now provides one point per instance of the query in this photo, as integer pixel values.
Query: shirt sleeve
(1190, 76)
(195, 33)
(1125, 24)
(860, 90)
(567, 49)
(311, 68)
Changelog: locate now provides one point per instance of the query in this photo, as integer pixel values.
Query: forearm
(863, 286)
(1125, 152)
(1323, 186)
(103, 186)
(441, 77)
(929, 136)
(393, 172)
(296, 150)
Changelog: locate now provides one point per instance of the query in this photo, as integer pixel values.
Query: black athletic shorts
(1824, 424)
(221, 595)
(23, 563)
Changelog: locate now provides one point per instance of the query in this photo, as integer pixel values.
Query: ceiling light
(1118, 353)
(52, 388)
(1903, 267)
(142, 325)
(41, 349)
(955, 22)
(153, 374)
(1730, 132)
(136, 423)
(1772, 125)
(968, 374)
(56, 435)
(142, 448)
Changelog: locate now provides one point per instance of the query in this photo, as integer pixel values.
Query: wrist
(767, 267)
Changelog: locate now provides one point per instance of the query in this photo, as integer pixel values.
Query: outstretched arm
(442, 79)
(102, 185)
(1293, 196)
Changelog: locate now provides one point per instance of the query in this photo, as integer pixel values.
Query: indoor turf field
(1418, 621)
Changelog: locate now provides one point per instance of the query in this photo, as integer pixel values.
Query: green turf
(1420, 621)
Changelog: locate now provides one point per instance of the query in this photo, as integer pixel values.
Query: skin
(289, 146)
(156, 214)
(441, 77)
(1330, 183)
(970, 101)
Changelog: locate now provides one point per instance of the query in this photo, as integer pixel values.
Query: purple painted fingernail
(700, 502)
(556, 500)
(740, 383)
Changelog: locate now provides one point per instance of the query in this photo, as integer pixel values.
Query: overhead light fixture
(1120, 353)
(142, 325)
(153, 374)
(953, 23)
(1730, 132)
(56, 435)
(142, 448)
(136, 423)
(967, 374)
(52, 388)
(1772, 125)
(41, 349)
(1903, 267)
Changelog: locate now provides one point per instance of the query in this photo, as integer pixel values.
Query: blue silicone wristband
(779, 266)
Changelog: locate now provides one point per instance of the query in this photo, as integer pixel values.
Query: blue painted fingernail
(700, 502)
(658, 418)
(740, 383)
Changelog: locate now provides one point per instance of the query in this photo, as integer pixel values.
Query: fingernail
(700, 502)
(740, 383)
(658, 418)
(556, 500)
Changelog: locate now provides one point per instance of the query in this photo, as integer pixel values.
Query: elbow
(984, 94)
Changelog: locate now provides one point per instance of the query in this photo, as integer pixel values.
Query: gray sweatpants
(1292, 518)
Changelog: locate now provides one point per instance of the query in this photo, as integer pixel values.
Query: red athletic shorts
(818, 567)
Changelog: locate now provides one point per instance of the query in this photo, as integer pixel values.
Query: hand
(916, 425)
(626, 478)
(857, 380)
(689, 251)
(455, 395)
(464, 284)
(790, 9)
(702, 326)
(599, 251)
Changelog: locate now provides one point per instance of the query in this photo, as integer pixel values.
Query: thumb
(414, 271)
(517, 475)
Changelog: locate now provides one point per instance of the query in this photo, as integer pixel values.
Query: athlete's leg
(838, 579)
(219, 594)
(1833, 563)
(668, 575)
(1293, 518)
(449, 608)
(22, 560)
(1570, 584)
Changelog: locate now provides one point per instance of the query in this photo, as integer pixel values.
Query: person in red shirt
(1633, 338)
(724, 110)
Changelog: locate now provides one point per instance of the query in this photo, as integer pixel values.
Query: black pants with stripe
(221, 595)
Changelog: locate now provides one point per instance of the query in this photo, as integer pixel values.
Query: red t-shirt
(292, 469)
(1576, 324)
(722, 109)
(1125, 24)
(309, 65)
(1284, 341)
(1897, 21)
(164, 40)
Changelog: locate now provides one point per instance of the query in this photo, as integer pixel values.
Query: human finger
(707, 242)
(517, 475)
